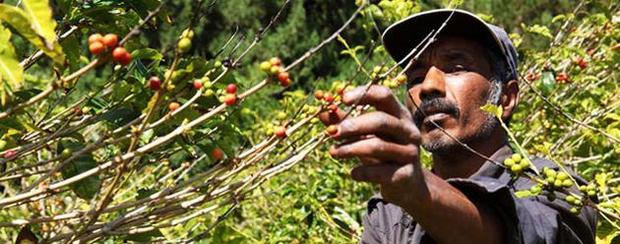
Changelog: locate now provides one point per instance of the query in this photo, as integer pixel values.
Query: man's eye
(457, 68)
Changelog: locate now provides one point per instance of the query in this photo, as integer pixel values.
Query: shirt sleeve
(386, 223)
(531, 219)
(372, 231)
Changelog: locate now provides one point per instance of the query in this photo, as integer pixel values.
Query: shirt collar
(490, 169)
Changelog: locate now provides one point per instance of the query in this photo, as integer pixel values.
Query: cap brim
(401, 37)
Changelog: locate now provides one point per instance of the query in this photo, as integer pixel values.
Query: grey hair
(499, 76)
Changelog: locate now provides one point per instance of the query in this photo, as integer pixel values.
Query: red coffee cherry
(121, 56)
(231, 88)
(110, 40)
(154, 83)
(96, 48)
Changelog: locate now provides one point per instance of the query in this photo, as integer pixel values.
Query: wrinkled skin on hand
(386, 141)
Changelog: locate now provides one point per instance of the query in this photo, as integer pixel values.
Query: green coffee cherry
(217, 64)
(281, 115)
(516, 157)
(567, 183)
(265, 66)
(66, 153)
(574, 210)
(550, 173)
(570, 199)
(583, 189)
(562, 176)
(535, 189)
(184, 44)
(524, 163)
(557, 183)
(208, 93)
(376, 69)
(188, 33)
(509, 162)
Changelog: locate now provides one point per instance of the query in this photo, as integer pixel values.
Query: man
(465, 198)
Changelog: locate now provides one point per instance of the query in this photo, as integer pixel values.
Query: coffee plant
(181, 121)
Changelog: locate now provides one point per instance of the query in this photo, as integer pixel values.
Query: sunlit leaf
(21, 21)
(11, 73)
(495, 110)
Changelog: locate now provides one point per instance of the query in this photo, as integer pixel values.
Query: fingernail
(333, 152)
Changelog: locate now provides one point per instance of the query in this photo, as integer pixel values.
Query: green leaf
(71, 46)
(539, 29)
(495, 110)
(147, 53)
(35, 31)
(85, 188)
(143, 7)
(120, 116)
(547, 82)
(41, 20)
(10, 71)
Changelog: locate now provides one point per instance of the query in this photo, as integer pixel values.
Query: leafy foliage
(217, 173)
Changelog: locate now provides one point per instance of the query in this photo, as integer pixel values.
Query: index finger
(377, 96)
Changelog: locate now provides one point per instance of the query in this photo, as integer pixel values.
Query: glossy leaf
(11, 73)
(88, 187)
(35, 31)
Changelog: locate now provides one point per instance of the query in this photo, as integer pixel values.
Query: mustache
(434, 105)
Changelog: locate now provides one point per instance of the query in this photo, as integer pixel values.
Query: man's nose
(434, 84)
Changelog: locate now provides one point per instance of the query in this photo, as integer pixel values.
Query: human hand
(386, 142)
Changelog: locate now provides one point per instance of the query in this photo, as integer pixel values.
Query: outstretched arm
(386, 142)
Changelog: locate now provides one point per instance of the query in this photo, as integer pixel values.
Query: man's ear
(510, 98)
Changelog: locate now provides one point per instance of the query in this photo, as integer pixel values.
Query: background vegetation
(570, 112)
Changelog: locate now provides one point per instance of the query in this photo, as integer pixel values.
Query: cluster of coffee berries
(324, 96)
(185, 41)
(311, 111)
(556, 179)
(231, 95)
(389, 81)
(395, 82)
(590, 190)
(97, 44)
(329, 99)
(581, 62)
(562, 78)
(575, 202)
(516, 163)
(201, 83)
(274, 68)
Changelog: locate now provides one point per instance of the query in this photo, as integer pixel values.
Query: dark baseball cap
(401, 37)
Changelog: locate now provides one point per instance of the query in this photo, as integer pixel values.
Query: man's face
(449, 84)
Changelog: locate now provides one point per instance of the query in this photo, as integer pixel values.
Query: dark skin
(387, 141)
